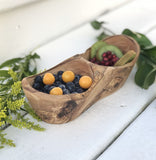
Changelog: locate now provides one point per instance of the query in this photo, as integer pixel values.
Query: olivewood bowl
(106, 80)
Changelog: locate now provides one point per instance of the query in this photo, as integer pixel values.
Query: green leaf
(15, 67)
(1, 147)
(4, 73)
(29, 110)
(35, 56)
(2, 79)
(102, 36)
(96, 25)
(8, 63)
(9, 98)
(5, 141)
(144, 59)
(150, 52)
(145, 75)
(4, 89)
(34, 71)
(9, 82)
(140, 38)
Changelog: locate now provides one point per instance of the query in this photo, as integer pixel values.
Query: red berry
(110, 57)
(114, 60)
(93, 60)
(104, 55)
(106, 63)
(109, 52)
(105, 59)
(103, 62)
(114, 56)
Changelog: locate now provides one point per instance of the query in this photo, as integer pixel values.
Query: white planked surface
(87, 136)
(12, 4)
(137, 141)
(26, 27)
(138, 15)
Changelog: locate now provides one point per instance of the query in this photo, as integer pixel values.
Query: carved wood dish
(106, 80)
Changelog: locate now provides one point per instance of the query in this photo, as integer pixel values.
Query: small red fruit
(109, 56)
(104, 55)
(109, 59)
(109, 52)
(106, 63)
(105, 59)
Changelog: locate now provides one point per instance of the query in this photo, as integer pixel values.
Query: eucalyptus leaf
(150, 52)
(102, 36)
(141, 59)
(144, 59)
(96, 24)
(145, 75)
(9, 62)
(150, 78)
(140, 38)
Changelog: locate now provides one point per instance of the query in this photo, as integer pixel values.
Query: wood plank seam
(153, 27)
(3, 11)
(117, 136)
(115, 8)
(49, 40)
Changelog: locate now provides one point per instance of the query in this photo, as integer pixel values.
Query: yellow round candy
(56, 91)
(48, 79)
(68, 76)
(85, 82)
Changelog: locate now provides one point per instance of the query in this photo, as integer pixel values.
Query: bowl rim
(80, 56)
(125, 65)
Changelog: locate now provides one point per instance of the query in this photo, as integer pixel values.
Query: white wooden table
(118, 127)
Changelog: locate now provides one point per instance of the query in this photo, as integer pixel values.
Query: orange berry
(85, 82)
(56, 91)
(68, 76)
(48, 79)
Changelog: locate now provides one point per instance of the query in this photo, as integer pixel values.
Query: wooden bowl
(106, 80)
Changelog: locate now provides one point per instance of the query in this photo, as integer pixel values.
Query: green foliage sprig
(5, 141)
(146, 64)
(13, 105)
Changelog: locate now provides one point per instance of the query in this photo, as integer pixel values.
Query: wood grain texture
(106, 80)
